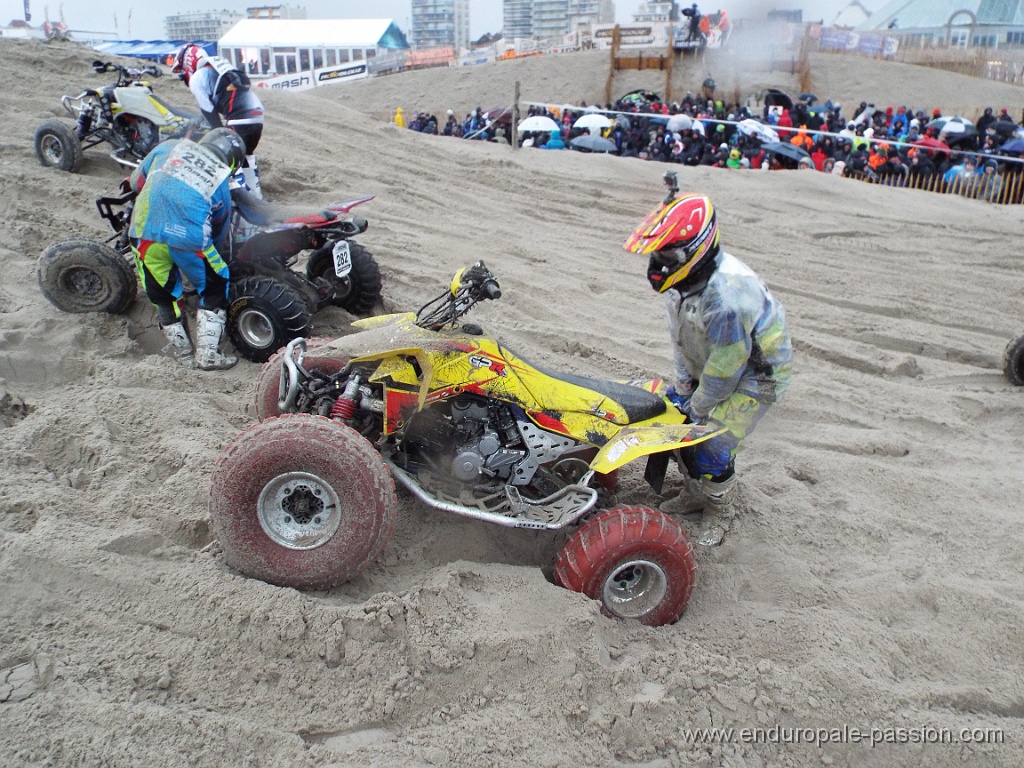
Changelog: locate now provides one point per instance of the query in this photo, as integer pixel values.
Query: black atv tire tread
(1013, 361)
(302, 443)
(115, 283)
(71, 147)
(365, 278)
(286, 307)
(594, 553)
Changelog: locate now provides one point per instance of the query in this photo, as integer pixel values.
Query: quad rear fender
(347, 205)
(656, 436)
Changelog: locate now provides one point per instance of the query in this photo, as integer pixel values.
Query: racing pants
(161, 267)
(716, 457)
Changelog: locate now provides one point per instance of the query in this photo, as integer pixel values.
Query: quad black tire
(636, 561)
(58, 147)
(264, 314)
(301, 501)
(268, 383)
(85, 276)
(1013, 361)
(360, 290)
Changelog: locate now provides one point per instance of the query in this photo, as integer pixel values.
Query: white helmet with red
(189, 58)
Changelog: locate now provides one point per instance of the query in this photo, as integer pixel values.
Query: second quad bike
(306, 497)
(126, 115)
(269, 303)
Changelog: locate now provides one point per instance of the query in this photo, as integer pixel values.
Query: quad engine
(475, 440)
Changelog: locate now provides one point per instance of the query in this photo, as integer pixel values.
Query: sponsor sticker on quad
(342, 259)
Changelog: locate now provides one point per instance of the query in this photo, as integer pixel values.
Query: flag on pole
(28, 13)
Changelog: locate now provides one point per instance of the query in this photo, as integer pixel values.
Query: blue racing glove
(678, 399)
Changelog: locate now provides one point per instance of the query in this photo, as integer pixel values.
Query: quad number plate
(342, 259)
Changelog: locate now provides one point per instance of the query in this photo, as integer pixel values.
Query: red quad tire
(301, 501)
(636, 561)
(268, 383)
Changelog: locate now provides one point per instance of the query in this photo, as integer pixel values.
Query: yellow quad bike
(306, 497)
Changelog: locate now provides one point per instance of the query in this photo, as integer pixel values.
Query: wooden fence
(1005, 187)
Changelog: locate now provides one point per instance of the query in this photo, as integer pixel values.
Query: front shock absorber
(344, 407)
(84, 121)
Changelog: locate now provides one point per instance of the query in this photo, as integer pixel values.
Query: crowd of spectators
(894, 145)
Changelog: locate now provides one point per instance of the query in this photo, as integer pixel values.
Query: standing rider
(182, 208)
(222, 90)
(732, 349)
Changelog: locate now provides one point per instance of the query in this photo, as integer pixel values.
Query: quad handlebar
(126, 75)
(469, 286)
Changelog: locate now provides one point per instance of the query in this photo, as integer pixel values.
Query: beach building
(285, 47)
(962, 23)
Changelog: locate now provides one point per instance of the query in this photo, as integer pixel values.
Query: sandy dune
(874, 580)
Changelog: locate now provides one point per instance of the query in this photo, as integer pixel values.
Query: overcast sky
(146, 16)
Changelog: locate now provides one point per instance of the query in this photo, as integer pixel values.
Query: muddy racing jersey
(731, 337)
(184, 198)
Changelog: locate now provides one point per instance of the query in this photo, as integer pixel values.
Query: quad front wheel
(359, 291)
(1013, 361)
(84, 276)
(264, 314)
(636, 561)
(57, 146)
(301, 501)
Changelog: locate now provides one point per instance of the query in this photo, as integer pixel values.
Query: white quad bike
(127, 115)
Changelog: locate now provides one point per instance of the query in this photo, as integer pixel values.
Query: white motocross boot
(179, 345)
(718, 499)
(210, 329)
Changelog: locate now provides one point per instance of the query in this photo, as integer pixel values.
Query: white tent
(299, 33)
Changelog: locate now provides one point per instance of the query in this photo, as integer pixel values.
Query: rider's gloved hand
(679, 399)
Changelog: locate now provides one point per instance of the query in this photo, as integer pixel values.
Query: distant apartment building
(438, 23)
(275, 12)
(212, 25)
(200, 25)
(545, 19)
(653, 12)
(585, 12)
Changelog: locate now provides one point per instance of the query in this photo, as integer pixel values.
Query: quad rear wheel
(301, 501)
(1013, 361)
(359, 291)
(268, 383)
(84, 276)
(636, 561)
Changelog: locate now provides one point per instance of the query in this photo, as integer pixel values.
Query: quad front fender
(656, 437)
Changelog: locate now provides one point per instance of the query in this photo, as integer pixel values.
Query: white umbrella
(593, 120)
(751, 127)
(538, 123)
(680, 122)
(953, 126)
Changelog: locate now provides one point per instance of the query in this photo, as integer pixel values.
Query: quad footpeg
(508, 507)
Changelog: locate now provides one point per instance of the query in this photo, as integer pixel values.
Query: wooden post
(514, 133)
(671, 59)
(616, 40)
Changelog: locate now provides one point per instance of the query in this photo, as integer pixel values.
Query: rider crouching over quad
(183, 207)
(732, 349)
(224, 96)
